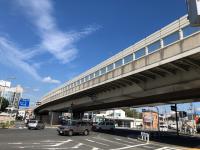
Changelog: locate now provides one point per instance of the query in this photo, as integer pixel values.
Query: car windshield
(65, 123)
(32, 121)
(73, 123)
(69, 123)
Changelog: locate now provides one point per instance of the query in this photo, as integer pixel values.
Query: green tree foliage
(4, 103)
(132, 113)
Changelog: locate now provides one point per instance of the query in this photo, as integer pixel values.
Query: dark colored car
(198, 128)
(73, 126)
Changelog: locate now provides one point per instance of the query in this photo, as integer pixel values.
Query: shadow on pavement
(164, 137)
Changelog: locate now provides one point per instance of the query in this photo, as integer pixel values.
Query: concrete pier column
(78, 115)
(54, 118)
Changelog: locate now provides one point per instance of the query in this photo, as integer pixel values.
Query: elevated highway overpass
(162, 68)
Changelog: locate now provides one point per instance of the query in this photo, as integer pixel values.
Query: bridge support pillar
(54, 118)
(44, 118)
(78, 115)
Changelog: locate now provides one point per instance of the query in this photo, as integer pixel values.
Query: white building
(117, 115)
(12, 94)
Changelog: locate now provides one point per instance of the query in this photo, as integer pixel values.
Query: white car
(163, 128)
(173, 126)
(35, 124)
(107, 125)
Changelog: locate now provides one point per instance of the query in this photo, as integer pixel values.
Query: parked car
(163, 127)
(172, 126)
(35, 124)
(74, 126)
(198, 128)
(106, 125)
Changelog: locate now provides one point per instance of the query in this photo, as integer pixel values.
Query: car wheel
(60, 133)
(86, 132)
(70, 132)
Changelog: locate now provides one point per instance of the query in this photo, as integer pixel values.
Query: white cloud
(50, 80)
(59, 44)
(11, 55)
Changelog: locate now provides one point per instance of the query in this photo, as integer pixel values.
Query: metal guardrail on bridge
(152, 49)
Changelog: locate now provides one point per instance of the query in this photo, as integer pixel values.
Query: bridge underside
(173, 82)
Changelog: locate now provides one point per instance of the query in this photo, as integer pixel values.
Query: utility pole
(176, 120)
(192, 113)
(174, 108)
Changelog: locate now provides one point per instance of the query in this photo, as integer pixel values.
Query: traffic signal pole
(176, 120)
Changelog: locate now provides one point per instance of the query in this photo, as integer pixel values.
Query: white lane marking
(61, 143)
(94, 148)
(51, 141)
(97, 142)
(35, 143)
(132, 139)
(54, 148)
(146, 146)
(123, 140)
(15, 143)
(167, 148)
(110, 141)
(127, 147)
(21, 147)
(78, 145)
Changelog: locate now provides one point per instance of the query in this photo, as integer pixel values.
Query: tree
(132, 112)
(4, 103)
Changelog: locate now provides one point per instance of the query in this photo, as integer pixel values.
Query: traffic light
(173, 108)
(182, 114)
(193, 7)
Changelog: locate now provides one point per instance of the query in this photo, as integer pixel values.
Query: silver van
(73, 126)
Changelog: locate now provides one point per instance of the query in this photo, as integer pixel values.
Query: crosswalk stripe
(110, 141)
(61, 143)
(123, 140)
(167, 148)
(127, 147)
(97, 142)
(78, 145)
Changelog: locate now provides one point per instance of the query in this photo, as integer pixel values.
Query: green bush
(3, 125)
(12, 123)
(7, 124)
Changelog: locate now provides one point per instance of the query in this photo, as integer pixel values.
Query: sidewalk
(51, 127)
(187, 141)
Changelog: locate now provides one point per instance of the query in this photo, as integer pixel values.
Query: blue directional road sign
(24, 102)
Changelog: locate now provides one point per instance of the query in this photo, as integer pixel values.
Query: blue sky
(44, 43)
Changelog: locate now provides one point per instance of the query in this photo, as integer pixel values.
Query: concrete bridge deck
(162, 68)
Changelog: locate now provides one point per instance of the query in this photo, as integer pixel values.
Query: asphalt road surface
(48, 139)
